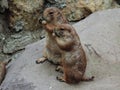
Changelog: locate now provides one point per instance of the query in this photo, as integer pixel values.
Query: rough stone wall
(75, 10)
(3, 5)
(24, 19)
(24, 14)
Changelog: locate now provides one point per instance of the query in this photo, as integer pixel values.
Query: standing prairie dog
(52, 16)
(73, 59)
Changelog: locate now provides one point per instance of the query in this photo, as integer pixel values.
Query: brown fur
(63, 47)
(52, 16)
(73, 56)
(3, 70)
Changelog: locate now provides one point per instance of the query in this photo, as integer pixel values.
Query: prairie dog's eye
(51, 12)
(62, 29)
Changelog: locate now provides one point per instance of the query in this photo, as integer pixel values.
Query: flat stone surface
(100, 37)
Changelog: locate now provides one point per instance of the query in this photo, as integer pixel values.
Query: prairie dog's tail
(88, 79)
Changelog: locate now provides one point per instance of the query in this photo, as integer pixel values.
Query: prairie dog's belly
(72, 57)
(53, 52)
(75, 59)
(53, 56)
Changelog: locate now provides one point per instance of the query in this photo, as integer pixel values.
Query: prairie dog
(63, 47)
(3, 70)
(73, 59)
(52, 16)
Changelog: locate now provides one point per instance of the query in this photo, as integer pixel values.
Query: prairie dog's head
(53, 15)
(64, 37)
(62, 31)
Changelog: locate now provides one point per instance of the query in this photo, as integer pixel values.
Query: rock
(18, 41)
(24, 14)
(118, 1)
(2, 36)
(95, 5)
(13, 42)
(10, 42)
(100, 37)
(75, 10)
(3, 5)
(3, 25)
(1, 28)
(2, 39)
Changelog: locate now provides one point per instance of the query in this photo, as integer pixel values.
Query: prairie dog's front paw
(41, 60)
(44, 22)
(58, 33)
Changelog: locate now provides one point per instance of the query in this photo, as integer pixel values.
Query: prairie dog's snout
(42, 20)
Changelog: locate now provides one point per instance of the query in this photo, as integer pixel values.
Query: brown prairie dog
(73, 57)
(52, 16)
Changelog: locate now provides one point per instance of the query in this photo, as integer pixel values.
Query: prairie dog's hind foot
(41, 60)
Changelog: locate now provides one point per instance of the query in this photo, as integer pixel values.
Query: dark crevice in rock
(118, 1)
(55, 3)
